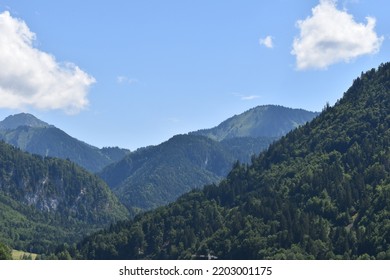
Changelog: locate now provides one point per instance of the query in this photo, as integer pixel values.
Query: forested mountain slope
(320, 192)
(46, 201)
(156, 175)
(35, 136)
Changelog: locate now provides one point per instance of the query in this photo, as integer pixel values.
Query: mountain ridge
(22, 119)
(157, 175)
(35, 136)
(260, 121)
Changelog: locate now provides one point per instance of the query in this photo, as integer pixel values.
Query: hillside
(262, 121)
(46, 201)
(156, 175)
(35, 136)
(320, 192)
(244, 148)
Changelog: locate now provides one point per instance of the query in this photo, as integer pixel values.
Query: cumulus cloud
(30, 77)
(330, 36)
(267, 42)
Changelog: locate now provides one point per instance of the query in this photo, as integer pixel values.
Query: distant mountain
(320, 192)
(35, 136)
(157, 175)
(22, 119)
(262, 121)
(46, 201)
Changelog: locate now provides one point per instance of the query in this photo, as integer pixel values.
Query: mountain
(46, 201)
(320, 192)
(35, 136)
(262, 121)
(251, 132)
(157, 175)
(22, 119)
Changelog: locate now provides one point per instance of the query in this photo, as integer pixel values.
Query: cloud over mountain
(30, 77)
(330, 35)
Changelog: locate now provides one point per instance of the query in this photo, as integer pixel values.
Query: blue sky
(134, 73)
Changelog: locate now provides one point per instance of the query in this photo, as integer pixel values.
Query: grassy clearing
(21, 255)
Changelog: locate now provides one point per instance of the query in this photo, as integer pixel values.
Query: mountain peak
(261, 121)
(22, 119)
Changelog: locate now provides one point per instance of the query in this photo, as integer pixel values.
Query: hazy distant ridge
(35, 136)
(261, 121)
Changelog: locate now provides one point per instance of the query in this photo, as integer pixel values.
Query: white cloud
(245, 97)
(249, 97)
(267, 42)
(32, 78)
(330, 36)
(124, 79)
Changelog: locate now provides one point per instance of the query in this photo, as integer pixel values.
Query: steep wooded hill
(320, 192)
(46, 201)
(156, 175)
